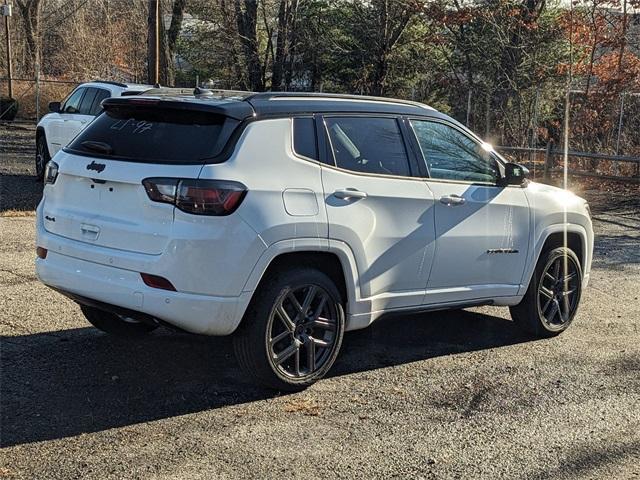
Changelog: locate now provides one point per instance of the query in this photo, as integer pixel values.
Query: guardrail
(550, 164)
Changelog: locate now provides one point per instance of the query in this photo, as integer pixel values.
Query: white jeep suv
(69, 117)
(288, 219)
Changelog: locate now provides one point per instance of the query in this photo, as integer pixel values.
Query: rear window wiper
(99, 147)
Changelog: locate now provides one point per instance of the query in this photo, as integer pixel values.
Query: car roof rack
(331, 96)
(110, 82)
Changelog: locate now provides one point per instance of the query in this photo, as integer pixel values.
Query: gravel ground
(441, 395)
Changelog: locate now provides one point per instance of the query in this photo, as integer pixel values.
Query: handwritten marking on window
(136, 126)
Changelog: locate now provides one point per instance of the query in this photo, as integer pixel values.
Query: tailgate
(103, 202)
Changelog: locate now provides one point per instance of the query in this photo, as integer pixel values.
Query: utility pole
(153, 47)
(6, 13)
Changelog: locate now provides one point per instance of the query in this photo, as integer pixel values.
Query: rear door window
(72, 104)
(146, 134)
(87, 101)
(368, 145)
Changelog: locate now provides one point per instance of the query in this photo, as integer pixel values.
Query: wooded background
(503, 67)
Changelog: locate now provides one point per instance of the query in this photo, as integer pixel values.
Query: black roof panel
(243, 105)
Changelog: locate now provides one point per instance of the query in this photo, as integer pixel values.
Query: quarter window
(369, 145)
(100, 96)
(72, 105)
(451, 155)
(304, 137)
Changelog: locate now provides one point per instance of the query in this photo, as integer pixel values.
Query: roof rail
(109, 82)
(329, 96)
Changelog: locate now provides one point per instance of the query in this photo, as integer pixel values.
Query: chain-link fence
(33, 95)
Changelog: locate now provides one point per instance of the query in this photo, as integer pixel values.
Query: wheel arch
(41, 132)
(553, 237)
(335, 261)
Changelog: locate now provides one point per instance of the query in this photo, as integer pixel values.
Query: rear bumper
(201, 314)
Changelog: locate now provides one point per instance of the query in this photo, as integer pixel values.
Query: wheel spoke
(279, 337)
(556, 270)
(320, 343)
(546, 306)
(285, 319)
(296, 304)
(311, 355)
(564, 316)
(567, 278)
(554, 309)
(323, 323)
(551, 277)
(320, 307)
(546, 292)
(287, 352)
(311, 294)
(297, 362)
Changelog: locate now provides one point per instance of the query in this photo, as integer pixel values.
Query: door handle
(348, 193)
(452, 200)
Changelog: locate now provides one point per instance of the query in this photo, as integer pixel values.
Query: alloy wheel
(559, 292)
(40, 155)
(302, 331)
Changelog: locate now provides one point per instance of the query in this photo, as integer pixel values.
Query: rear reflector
(155, 281)
(41, 252)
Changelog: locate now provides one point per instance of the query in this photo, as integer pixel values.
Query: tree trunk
(153, 74)
(279, 57)
(247, 20)
(30, 13)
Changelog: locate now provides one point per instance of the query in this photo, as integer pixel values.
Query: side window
(101, 94)
(87, 101)
(369, 145)
(304, 137)
(72, 104)
(451, 155)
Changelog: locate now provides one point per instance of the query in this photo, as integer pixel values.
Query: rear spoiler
(235, 109)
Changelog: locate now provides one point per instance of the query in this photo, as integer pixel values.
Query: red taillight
(156, 281)
(200, 197)
(41, 252)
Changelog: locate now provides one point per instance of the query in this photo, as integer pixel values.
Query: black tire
(549, 312)
(42, 155)
(257, 349)
(114, 324)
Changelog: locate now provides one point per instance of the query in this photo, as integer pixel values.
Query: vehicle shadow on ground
(19, 193)
(64, 383)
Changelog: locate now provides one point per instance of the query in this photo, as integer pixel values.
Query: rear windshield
(146, 134)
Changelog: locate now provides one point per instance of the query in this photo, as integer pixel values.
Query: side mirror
(514, 174)
(54, 107)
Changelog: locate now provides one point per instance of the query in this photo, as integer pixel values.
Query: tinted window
(370, 145)
(100, 96)
(151, 135)
(72, 105)
(451, 155)
(87, 101)
(304, 137)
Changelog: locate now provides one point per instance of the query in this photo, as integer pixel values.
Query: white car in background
(69, 117)
(288, 219)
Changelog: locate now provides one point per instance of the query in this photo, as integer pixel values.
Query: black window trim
(327, 156)
(474, 138)
(293, 142)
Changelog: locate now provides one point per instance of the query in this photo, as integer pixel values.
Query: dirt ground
(436, 396)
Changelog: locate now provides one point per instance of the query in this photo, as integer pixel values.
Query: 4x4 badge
(98, 167)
